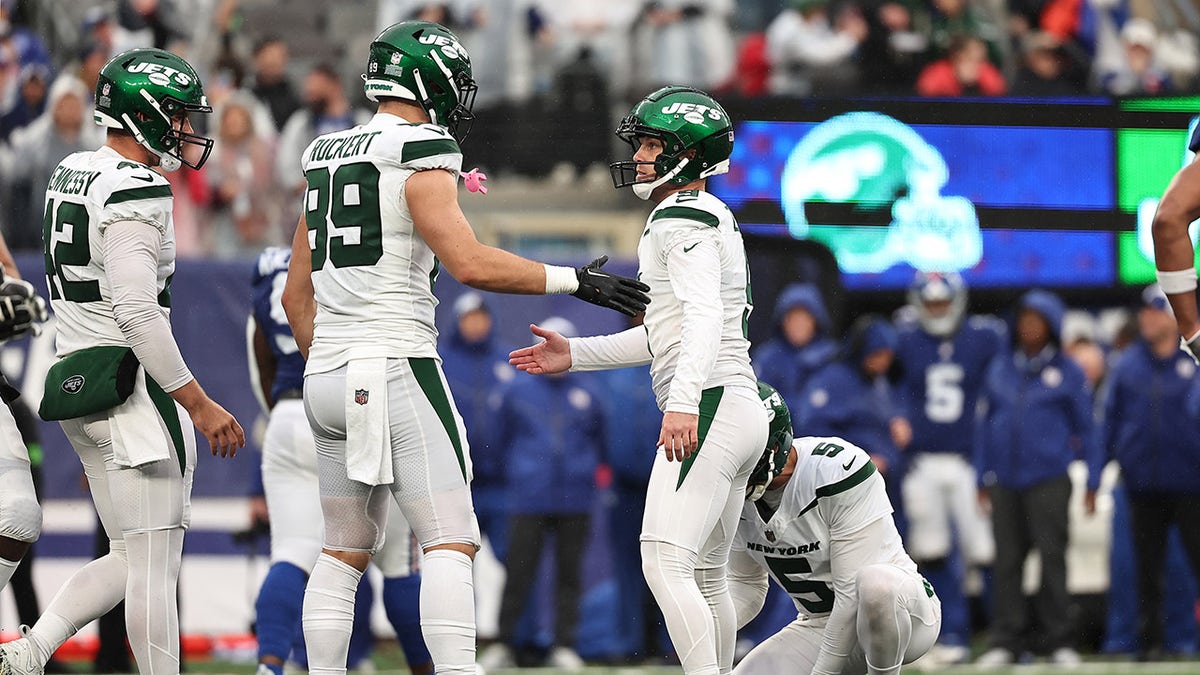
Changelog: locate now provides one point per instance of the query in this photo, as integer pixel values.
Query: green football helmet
(779, 442)
(695, 131)
(423, 62)
(145, 92)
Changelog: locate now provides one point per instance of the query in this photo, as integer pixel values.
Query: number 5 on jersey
(341, 212)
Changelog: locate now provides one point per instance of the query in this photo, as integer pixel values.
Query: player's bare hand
(984, 497)
(679, 437)
(551, 355)
(1089, 502)
(258, 511)
(901, 432)
(223, 432)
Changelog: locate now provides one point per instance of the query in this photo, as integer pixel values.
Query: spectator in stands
(896, 46)
(551, 432)
(800, 346)
(633, 422)
(1139, 74)
(476, 367)
(1152, 429)
(965, 71)
(99, 28)
(1047, 68)
(34, 151)
(148, 23)
(811, 51)
(26, 45)
(92, 57)
(271, 84)
(667, 29)
(325, 110)
(244, 213)
(599, 29)
(951, 19)
(32, 86)
(851, 398)
(1038, 418)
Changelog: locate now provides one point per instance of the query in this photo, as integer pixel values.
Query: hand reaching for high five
(552, 355)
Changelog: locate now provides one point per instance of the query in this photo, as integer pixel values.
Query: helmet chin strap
(166, 161)
(643, 190)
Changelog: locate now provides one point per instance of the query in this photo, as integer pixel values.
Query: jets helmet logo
(160, 74)
(693, 112)
(449, 47)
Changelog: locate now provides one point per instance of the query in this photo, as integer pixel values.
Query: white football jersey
(695, 236)
(834, 492)
(88, 192)
(372, 273)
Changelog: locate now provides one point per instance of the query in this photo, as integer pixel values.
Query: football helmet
(779, 442)
(695, 131)
(423, 62)
(935, 287)
(145, 92)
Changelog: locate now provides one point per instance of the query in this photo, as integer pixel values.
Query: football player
(817, 520)
(943, 356)
(1174, 255)
(110, 255)
(293, 501)
(20, 514)
(381, 216)
(694, 338)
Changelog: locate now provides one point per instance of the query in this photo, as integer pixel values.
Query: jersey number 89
(342, 215)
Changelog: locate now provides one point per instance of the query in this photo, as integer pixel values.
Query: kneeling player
(818, 521)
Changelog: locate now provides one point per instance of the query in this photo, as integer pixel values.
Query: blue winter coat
(1150, 426)
(785, 366)
(475, 370)
(551, 432)
(840, 401)
(634, 422)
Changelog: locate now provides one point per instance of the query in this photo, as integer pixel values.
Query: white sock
(7, 568)
(328, 614)
(670, 573)
(91, 592)
(151, 603)
(448, 611)
(715, 589)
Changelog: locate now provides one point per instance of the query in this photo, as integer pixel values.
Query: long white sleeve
(696, 280)
(748, 583)
(131, 265)
(630, 347)
(847, 556)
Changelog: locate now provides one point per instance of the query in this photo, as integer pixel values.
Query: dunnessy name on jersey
(72, 181)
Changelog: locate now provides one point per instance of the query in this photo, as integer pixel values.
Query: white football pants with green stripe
(691, 516)
(431, 466)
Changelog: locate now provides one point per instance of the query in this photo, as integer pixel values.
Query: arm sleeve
(630, 347)
(131, 264)
(747, 585)
(696, 280)
(848, 555)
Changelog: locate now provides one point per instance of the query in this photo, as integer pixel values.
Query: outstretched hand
(627, 296)
(552, 355)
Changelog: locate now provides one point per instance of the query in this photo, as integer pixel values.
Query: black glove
(627, 296)
(20, 308)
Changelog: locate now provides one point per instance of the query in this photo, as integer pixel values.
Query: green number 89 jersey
(371, 272)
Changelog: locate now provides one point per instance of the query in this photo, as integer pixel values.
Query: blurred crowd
(276, 84)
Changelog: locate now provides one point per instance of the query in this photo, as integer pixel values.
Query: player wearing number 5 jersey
(817, 520)
(381, 216)
(943, 356)
(121, 389)
(694, 338)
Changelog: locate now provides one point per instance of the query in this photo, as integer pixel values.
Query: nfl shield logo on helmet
(361, 396)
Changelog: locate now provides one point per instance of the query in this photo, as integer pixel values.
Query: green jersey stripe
(133, 194)
(415, 150)
(842, 485)
(709, 400)
(687, 213)
(430, 381)
(170, 415)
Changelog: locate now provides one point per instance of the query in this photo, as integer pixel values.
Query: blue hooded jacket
(840, 400)
(1038, 412)
(785, 366)
(550, 431)
(1150, 422)
(474, 370)
(634, 422)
